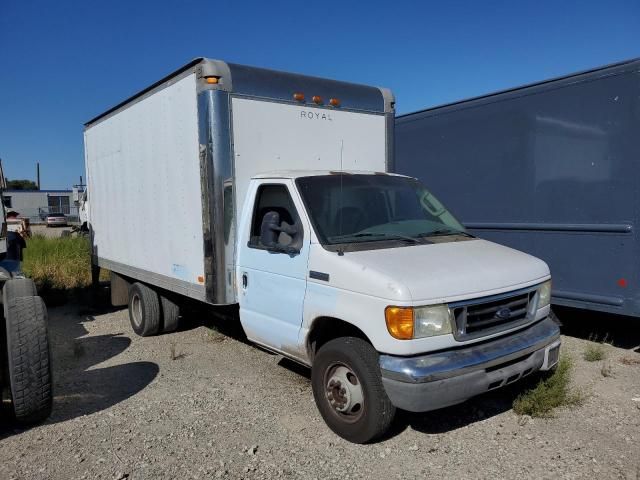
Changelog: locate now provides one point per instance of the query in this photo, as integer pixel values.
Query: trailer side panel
(549, 169)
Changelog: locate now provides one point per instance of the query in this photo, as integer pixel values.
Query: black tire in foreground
(144, 310)
(18, 287)
(29, 363)
(170, 314)
(347, 387)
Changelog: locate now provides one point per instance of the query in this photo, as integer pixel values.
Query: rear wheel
(170, 314)
(28, 360)
(348, 390)
(144, 310)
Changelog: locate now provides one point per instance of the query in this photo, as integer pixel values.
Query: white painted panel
(272, 136)
(144, 184)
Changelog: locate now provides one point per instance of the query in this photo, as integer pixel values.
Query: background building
(36, 204)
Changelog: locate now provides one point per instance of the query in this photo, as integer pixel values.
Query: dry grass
(58, 263)
(594, 352)
(549, 394)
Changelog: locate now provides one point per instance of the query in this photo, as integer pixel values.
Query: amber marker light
(399, 322)
(334, 102)
(317, 99)
(298, 97)
(212, 80)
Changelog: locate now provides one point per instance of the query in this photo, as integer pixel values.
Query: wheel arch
(325, 328)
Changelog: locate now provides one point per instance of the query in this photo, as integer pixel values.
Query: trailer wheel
(144, 310)
(347, 387)
(29, 367)
(18, 287)
(170, 314)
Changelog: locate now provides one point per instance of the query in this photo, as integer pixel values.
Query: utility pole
(38, 175)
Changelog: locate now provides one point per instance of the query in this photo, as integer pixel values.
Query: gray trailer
(551, 169)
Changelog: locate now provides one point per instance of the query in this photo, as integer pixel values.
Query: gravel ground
(200, 404)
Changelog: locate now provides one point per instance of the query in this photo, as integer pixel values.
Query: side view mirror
(270, 231)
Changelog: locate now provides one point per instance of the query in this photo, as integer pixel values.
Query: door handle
(245, 281)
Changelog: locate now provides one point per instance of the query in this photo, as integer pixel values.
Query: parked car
(56, 220)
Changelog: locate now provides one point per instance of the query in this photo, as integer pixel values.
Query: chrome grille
(488, 315)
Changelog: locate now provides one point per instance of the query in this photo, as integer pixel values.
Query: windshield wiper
(445, 231)
(396, 236)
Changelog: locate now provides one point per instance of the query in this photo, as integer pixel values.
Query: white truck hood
(433, 273)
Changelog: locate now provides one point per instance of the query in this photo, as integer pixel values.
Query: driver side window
(274, 206)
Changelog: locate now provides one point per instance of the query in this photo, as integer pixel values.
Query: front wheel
(347, 387)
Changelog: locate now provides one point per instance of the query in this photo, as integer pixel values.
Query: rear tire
(29, 364)
(170, 314)
(348, 390)
(144, 310)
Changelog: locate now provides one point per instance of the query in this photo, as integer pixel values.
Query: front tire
(347, 387)
(144, 310)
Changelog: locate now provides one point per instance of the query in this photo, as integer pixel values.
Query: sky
(63, 62)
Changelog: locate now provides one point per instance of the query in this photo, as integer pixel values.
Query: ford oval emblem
(504, 313)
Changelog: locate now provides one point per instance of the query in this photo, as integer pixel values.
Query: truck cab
(354, 262)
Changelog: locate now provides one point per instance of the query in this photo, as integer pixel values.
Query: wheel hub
(136, 310)
(343, 391)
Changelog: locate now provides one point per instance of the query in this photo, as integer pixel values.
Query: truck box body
(167, 170)
(550, 169)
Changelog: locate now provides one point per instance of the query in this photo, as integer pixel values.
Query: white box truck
(238, 185)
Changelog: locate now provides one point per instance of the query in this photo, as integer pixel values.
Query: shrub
(549, 394)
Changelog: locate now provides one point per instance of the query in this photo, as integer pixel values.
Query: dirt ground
(202, 404)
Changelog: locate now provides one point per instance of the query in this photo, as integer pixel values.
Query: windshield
(347, 208)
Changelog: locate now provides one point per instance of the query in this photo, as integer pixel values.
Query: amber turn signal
(212, 80)
(334, 102)
(299, 97)
(317, 99)
(399, 322)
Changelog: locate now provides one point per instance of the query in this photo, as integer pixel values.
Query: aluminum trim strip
(191, 290)
(587, 297)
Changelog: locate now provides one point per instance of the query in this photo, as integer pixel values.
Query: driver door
(271, 279)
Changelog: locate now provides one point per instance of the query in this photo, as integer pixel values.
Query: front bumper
(432, 381)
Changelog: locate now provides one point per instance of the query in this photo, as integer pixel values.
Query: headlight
(544, 294)
(432, 321)
(406, 323)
